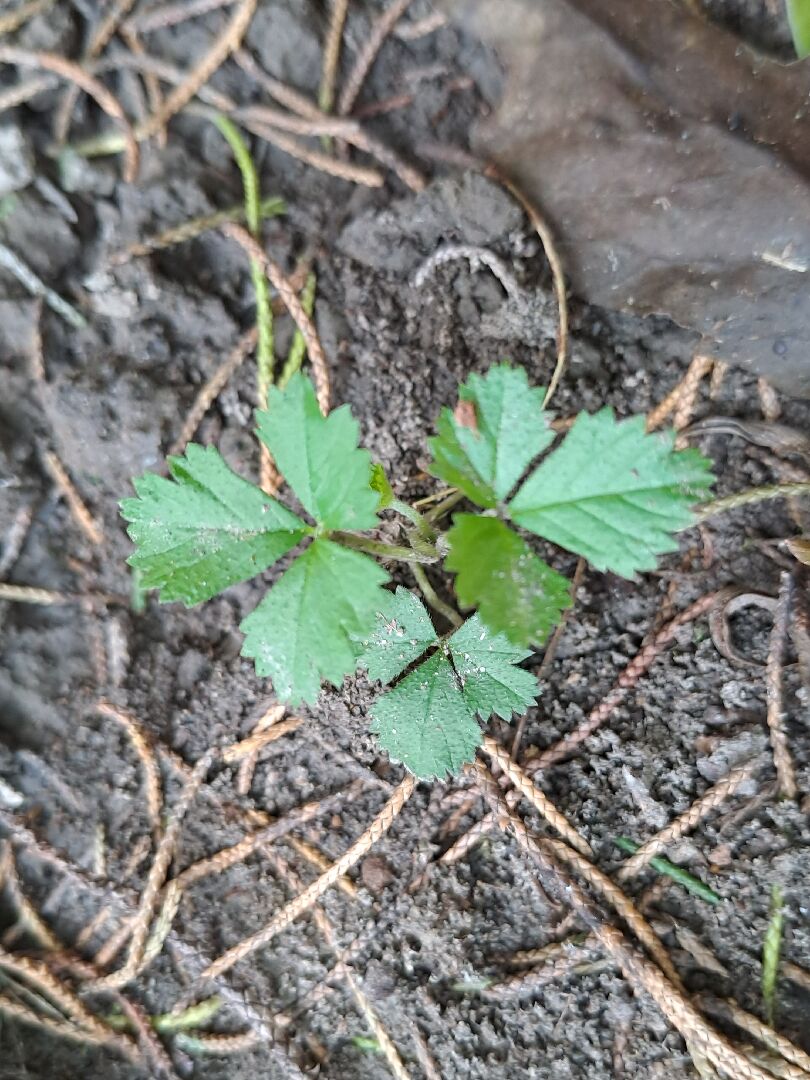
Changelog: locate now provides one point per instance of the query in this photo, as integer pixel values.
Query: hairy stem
(433, 598)
(381, 549)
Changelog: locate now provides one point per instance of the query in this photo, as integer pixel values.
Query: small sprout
(366, 1044)
(771, 949)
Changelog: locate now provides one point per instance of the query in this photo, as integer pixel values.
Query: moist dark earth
(114, 398)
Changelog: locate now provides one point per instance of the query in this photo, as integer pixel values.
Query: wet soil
(114, 397)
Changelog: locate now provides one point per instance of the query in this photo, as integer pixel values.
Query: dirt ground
(113, 398)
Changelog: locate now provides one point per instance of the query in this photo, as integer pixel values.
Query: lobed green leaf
(319, 457)
(613, 493)
(307, 627)
(486, 665)
(511, 428)
(204, 529)
(426, 723)
(402, 633)
(516, 593)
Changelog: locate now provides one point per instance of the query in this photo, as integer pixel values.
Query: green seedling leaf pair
(428, 719)
(610, 493)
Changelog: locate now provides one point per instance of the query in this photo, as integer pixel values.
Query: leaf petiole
(383, 550)
(433, 597)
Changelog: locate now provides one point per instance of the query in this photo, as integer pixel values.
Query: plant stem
(751, 495)
(298, 348)
(445, 505)
(422, 524)
(433, 598)
(381, 549)
(264, 315)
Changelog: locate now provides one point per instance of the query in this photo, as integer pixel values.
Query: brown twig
(260, 738)
(99, 38)
(81, 515)
(44, 61)
(639, 971)
(191, 957)
(257, 818)
(154, 95)
(691, 818)
(264, 118)
(283, 286)
(13, 20)
(288, 914)
(15, 538)
(225, 44)
(538, 799)
(343, 170)
(782, 759)
(554, 962)
(729, 1011)
(638, 666)
(620, 903)
(331, 54)
(27, 594)
(293, 819)
(572, 742)
(157, 875)
(151, 771)
(213, 387)
(247, 766)
(172, 14)
(28, 918)
(61, 1028)
(37, 973)
(685, 405)
(327, 932)
(380, 29)
(685, 389)
(557, 274)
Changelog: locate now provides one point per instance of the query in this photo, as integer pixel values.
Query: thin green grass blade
(264, 314)
(771, 948)
(663, 866)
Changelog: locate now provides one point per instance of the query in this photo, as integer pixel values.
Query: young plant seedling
(609, 492)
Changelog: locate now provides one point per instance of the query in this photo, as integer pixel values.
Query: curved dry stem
(557, 274)
(45, 61)
(151, 771)
(219, 52)
(538, 799)
(691, 818)
(639, 971)
(380, 30)
(156, 877)
(292, 911)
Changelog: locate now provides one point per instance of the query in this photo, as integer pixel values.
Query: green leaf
(380, 484)
(205, 529)
(425, 723)
(306, 628)
(318, 456)
(799, 19)
(511, 429)
(516, 593)
(402, 633)
(613, 493)
(486, 665)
